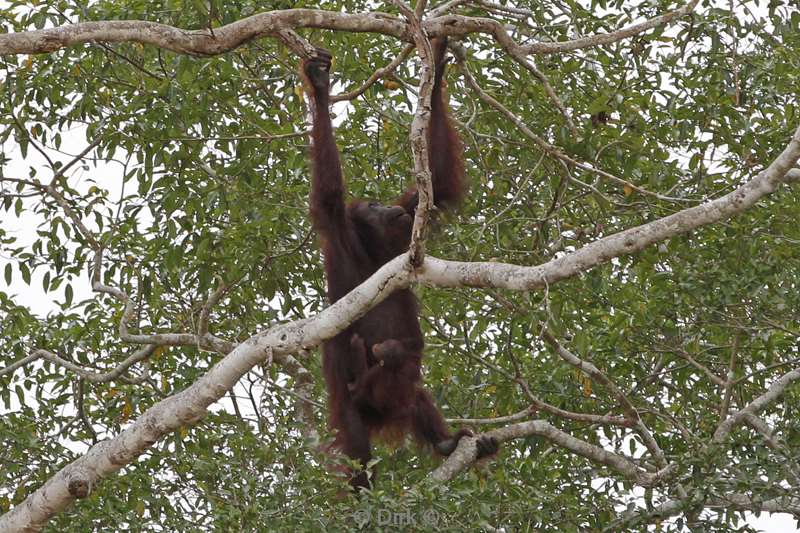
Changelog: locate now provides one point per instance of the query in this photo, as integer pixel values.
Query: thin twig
(94, 377)
(378, 74)
(549, 148)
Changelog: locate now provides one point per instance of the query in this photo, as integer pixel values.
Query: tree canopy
(617, 300)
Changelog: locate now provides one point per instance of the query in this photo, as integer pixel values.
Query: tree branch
(466, 452)
(418, 134)
(774, 392)
(503, 275)
(272, 23)
(459, 25)
(674, 507)
(139, 355)
(199, 42)
(378, 74)
(551, 149)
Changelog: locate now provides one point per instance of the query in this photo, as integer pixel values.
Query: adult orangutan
(372, 369)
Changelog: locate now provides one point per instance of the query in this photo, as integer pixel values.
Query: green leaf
(26, 274)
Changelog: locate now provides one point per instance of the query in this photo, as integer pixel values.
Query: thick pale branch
(199, 42)
(502, 275)
(204, 42)
(466, 452)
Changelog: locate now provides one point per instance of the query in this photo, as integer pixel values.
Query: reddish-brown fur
(372, 369)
